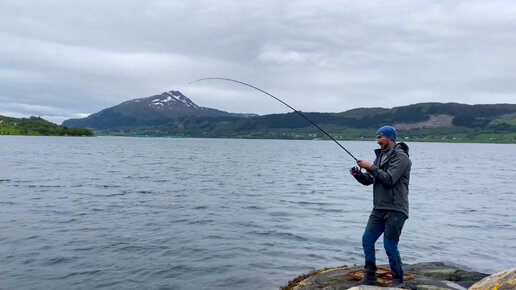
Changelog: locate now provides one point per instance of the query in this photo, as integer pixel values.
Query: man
(389, 175)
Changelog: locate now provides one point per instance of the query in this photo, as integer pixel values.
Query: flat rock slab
(427, 276)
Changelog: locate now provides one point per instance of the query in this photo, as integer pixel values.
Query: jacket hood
(403, 147)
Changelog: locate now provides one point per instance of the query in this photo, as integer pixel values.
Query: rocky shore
(427, 276)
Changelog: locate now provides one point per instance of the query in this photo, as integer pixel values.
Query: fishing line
(301, 114)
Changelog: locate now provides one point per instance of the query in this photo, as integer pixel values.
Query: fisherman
(389, 174)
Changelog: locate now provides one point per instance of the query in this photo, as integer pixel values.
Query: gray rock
(427, 276)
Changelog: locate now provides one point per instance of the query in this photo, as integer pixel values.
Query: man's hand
(364, 164)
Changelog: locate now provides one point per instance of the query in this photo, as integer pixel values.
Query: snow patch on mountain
(170, 99)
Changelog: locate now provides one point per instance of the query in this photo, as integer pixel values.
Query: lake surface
(160, 213)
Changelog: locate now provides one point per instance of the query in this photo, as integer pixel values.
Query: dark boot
(369, 278)
(397, 283)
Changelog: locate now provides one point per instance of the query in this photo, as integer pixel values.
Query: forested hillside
(421, 122)
(38, 126)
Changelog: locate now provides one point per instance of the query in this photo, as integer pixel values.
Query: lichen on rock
(504, 280)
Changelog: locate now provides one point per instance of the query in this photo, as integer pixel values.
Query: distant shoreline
(450, 138)
(500, 140)
(423, 140)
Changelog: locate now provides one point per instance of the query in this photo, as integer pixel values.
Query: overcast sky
(63, 59)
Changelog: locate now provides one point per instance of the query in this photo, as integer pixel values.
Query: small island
(37, 126)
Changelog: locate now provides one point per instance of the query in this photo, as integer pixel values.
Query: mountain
(437, 122)
(173, 114)
(164, 109)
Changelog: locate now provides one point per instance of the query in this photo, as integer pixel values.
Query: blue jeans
(390, 224)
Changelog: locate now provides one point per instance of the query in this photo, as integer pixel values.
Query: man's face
(383, 141)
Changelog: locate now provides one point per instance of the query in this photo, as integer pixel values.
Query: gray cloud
(62, 59)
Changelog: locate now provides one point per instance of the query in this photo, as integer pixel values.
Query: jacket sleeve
(364, 178)
(396, 167)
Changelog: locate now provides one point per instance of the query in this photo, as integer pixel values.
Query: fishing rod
(301, 114)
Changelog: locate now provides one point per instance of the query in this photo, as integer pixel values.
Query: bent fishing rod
(301, 114)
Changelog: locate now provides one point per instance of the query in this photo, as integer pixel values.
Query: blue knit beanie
(387, 131)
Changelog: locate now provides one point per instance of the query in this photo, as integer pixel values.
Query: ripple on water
(59, 260)
(231, 214)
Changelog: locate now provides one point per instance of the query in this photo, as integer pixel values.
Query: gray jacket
(390, 179)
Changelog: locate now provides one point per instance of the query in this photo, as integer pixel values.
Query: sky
(62, 59)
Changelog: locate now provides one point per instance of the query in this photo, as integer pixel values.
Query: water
(151, 213)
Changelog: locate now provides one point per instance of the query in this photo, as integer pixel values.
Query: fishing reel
(356, 170)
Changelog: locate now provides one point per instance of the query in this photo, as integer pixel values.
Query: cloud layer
(61, 59)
